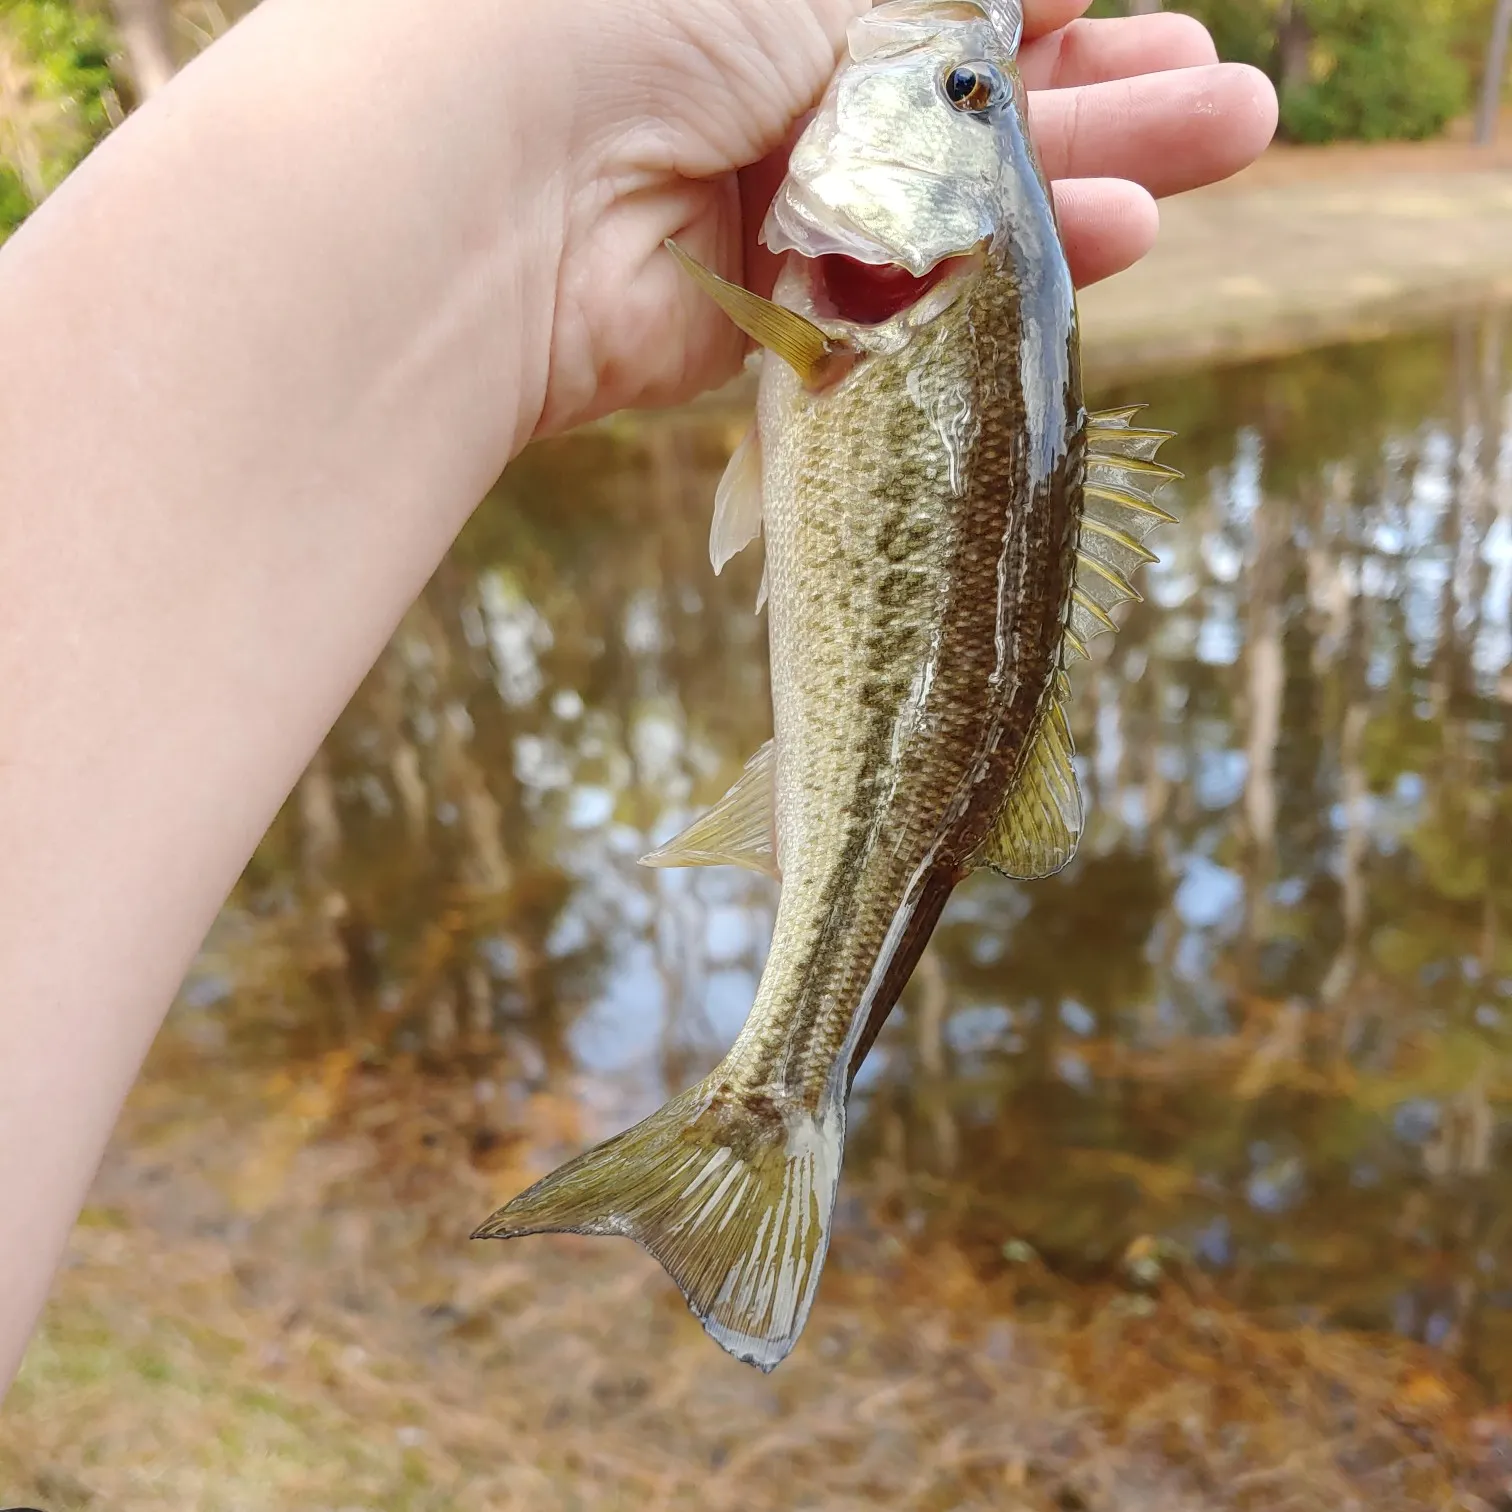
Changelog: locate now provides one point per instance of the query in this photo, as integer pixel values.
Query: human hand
(694, 104)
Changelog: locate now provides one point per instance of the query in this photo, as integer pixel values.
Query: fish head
(917, 157)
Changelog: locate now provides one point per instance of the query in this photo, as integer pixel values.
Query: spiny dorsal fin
(734, 1198)
(1041, 823)
(737, 831)
(737, 503)
(1118, 512)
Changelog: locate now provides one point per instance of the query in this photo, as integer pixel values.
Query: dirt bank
(1310, 246)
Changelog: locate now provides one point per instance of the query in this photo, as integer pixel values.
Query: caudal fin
(734, 1197)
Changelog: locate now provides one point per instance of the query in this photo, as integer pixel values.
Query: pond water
(1259, 1031)
(1264, 1014)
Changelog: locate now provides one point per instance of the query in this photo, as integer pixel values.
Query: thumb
(758, 188)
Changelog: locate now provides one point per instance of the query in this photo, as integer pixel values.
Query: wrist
(400, 201)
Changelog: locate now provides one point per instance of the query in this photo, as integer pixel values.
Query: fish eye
(974, 88)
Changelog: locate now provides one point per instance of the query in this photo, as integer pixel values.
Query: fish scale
(847, 522)
(945, 528)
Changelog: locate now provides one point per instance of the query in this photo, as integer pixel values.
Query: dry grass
(270, 1305)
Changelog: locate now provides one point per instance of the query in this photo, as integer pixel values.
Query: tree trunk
(145, 34)
(1496, 68)
(1293, 47)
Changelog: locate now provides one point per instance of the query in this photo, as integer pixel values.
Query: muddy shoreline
(1292, 259)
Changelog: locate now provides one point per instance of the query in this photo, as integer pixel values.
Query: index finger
(1041, 17)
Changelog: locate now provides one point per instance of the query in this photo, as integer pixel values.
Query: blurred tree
(145, 30)
(1495, 74)
(1293, 48)
(1362, 69)
(1367, 69)
(57, 97)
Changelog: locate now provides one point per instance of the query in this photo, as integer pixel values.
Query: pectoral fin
(1041, 823)
(799, 342)
(737, 831)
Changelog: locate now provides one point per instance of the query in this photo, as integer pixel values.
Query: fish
(946, 527)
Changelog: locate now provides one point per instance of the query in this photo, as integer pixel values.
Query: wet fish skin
(924, 515)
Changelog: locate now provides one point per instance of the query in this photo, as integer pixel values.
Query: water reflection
(1263, 1016)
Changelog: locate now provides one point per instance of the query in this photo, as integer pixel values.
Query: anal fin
(738, 831)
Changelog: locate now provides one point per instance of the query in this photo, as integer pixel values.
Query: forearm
(307, 293)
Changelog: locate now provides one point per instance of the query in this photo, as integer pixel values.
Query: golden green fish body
(921, 526)
(945, 526)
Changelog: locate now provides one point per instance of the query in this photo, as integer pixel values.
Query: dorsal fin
(1041, 823)
(1118, 512)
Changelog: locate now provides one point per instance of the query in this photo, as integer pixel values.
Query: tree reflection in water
(1263, 1016)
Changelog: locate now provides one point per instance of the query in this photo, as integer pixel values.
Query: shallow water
(1263, 1016)
(1259, 1030)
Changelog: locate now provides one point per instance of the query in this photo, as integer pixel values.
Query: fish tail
(732, 1192)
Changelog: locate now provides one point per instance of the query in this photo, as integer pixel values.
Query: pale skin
(269, 347)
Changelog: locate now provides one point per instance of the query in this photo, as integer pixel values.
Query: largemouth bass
(946, 527)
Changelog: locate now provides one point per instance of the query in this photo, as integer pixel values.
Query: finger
(1168, 131)
(759, 184)
(758, 188)
(1106, 226)
(1092, 52)
(1041, 17)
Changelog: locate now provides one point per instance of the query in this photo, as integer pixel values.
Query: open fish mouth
(861, 293)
